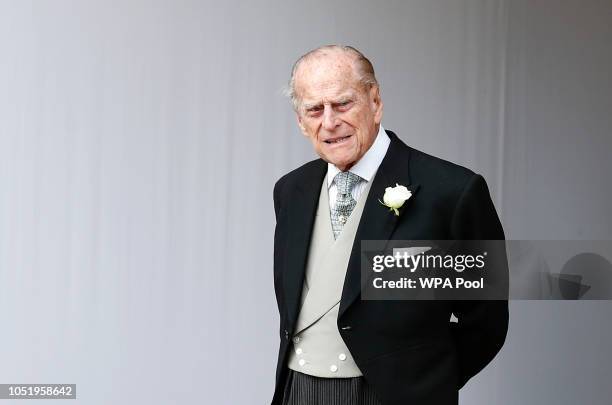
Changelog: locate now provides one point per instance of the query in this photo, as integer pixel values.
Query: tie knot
(345, 181)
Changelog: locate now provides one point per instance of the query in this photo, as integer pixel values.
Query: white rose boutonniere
(395, 197)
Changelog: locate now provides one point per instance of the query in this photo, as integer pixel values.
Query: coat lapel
(302, 209)
(377, 222)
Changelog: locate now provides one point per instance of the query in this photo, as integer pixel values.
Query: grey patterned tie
(344, 200)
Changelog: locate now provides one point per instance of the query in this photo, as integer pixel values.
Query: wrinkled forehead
(326, 76)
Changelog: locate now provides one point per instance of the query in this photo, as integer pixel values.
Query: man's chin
(343, 164)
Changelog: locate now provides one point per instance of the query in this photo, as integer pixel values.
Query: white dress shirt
(365, 168)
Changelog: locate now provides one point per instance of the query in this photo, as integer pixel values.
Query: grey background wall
(140, 140)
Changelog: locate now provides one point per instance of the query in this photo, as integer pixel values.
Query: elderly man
(335, 347)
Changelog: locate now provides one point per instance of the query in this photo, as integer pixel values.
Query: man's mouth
(338, 140)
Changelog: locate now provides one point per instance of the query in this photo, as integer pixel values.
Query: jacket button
(286, 334)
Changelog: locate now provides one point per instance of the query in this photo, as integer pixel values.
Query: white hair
(363, 64)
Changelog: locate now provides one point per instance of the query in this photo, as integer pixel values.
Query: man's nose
(330, 119)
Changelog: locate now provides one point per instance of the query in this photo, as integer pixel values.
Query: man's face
(336, 112)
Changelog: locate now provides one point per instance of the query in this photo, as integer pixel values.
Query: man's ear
(377, 104)
(300, 124)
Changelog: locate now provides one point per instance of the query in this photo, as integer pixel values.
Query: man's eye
(314, 111)
(344, 105)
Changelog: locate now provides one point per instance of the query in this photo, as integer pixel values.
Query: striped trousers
(304, 389)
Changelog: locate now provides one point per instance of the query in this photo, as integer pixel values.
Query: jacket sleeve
(279, 247)
(276, 198)
(482, 325)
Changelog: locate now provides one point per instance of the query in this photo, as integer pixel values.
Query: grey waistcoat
(318, 348)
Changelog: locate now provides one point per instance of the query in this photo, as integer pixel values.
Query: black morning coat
(407, 350)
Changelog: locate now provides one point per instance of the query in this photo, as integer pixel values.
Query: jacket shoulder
(285, 185)
(296, 176)
(446, 179)
(428, 169)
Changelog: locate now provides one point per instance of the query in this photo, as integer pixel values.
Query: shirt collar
(368, 164)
